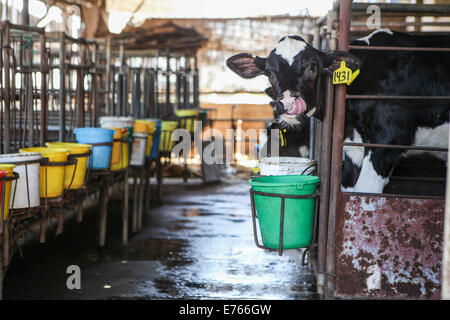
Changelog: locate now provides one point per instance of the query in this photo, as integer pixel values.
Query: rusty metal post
(445, 292)
(94, 86)
(7, 114)
(325, 164)
(62, 86)
(336, 158)
(167, 108)
(109, 107)
(125, 208)
(44, 104)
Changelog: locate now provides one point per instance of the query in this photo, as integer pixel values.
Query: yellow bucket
(166, 143)
(140, 126)
(9, 168)
(123, 162)
(82, 162)
(190, 116)
(116, 149)
(56, 174)
(151, 126)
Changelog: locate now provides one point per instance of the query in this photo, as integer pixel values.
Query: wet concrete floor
(198, 245)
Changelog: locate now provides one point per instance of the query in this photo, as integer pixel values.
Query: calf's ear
(246, 65)
(333, 59)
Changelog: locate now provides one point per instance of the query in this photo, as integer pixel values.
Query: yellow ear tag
(344, 75)
(283, 139)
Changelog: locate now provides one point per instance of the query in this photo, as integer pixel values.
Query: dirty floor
(198, 245)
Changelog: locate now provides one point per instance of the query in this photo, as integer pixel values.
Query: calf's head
(295, 71)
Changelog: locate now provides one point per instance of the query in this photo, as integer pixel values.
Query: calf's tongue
(294, 106)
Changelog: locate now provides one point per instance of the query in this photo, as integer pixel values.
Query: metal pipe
(445, 293)
(385, 48)
(108, 106)
(393, 146)
(325, 168)
(395, 97)
(406, 8)
(196, 86)
(167, 111)
(336, 159)
(7, 117)
(62, 86)
(404, 24)
(43, 93)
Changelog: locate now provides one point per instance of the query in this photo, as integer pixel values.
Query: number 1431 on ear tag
(344, 75)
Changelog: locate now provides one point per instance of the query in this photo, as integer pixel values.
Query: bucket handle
(283, 197)
(13, 177)
(308, 167)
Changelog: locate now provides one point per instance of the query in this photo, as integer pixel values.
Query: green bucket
(298, 213)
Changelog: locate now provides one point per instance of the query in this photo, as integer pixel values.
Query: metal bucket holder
(75, 157)
(91, 159)
(283, 198)
(3, 181)
(28, 210)
(46, 163)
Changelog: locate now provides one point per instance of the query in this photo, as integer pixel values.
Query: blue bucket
(101, 155)
(156, 139)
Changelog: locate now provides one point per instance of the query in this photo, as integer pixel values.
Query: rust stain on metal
(389, 247)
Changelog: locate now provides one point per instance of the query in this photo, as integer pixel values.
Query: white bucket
(116, 122)
(282, 166)
(33, 172)
(139, 148)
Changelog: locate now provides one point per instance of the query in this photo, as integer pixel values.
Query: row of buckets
(46, 172)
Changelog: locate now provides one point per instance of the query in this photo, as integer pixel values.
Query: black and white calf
(296, 73)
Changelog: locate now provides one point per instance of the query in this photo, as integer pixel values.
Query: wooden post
(159, 178)
(141, 196)
(135, 203)
(80, 213)
(103, 215)
(5, 258)
(43, 225)
(147, 186)
(60, 217)
(125, 209)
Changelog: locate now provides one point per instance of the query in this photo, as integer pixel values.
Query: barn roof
(154, 34)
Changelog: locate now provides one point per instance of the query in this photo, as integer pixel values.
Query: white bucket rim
(286, 161)
(140, 134)
(9, 157)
